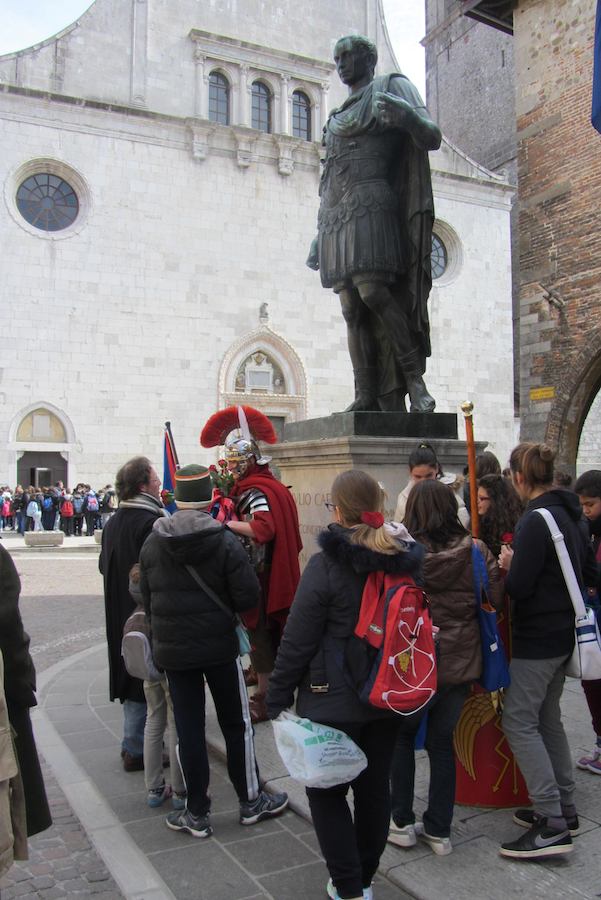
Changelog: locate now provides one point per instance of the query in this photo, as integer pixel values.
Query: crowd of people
(228, 556)
(52, 508)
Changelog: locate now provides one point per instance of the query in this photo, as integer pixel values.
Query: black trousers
(226, 683)
(352, 850)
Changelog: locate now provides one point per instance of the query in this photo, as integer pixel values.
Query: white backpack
(136, 650)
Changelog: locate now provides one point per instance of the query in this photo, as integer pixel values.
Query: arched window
(261, 107)
(301, 116)
(219, 99)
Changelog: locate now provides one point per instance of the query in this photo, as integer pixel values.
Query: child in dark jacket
(325, 612)
(194, 641)
(542, 641)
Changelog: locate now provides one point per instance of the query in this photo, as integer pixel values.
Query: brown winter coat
(448, 584)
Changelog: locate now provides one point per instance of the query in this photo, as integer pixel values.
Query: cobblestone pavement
(63, 612)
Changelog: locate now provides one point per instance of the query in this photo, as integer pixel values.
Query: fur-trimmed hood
(335, 542)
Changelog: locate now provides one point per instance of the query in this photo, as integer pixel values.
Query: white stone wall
(126, 321)
(589, 449)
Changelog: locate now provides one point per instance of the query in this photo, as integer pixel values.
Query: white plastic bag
(317, 755)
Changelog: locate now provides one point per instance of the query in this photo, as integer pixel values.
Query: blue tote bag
(495, 671)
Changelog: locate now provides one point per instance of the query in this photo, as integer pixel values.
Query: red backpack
(67, 509)
(391, 657)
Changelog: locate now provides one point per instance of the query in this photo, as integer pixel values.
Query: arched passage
(40, 439)
(572, 402)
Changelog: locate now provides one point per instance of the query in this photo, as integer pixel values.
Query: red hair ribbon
(373, 519)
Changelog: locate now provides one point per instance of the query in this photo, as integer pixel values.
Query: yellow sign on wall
(542, 393)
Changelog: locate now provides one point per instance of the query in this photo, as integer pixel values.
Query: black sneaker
(265, 806)
(183, 820)
(527, 817)
(539, 841)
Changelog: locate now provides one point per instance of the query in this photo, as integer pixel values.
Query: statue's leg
(362, 351)
(377, 296)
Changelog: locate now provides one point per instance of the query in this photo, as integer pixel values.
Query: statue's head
(355, 56)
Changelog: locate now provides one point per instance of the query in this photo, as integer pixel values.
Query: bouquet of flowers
(222, 508)
(222, 478)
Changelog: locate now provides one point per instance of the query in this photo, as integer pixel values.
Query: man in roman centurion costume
(375, 228)
(266, 521)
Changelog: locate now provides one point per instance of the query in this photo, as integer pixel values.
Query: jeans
(159, 719)
(134, 720)
(533, 727)
(443, 714)
(226, 683)
(21, 521)
(352, 849)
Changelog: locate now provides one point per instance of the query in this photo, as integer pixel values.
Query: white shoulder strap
(564, 561)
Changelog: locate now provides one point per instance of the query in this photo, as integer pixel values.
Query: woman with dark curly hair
(499, 508)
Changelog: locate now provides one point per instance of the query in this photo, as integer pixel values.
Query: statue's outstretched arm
(394, 112)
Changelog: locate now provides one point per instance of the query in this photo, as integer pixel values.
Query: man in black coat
(138, 488)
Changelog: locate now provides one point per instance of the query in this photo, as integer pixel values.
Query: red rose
(507, 537)
(212, 468)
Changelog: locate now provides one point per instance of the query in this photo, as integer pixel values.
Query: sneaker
(539, 841)
(197, 826)
(527, 818)
(441, 846)
(334, 895)
(402, 837)
(178, 801)
(265, 806)
(591, 763)
(157, 796)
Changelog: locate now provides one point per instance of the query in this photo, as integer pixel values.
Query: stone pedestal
(313, 452)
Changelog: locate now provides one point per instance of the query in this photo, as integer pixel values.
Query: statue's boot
(421, 400)
(366, 398)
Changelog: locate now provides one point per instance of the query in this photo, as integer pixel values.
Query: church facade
(160, 171)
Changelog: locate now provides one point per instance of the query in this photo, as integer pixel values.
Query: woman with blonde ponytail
(322, 619)
(542, 640)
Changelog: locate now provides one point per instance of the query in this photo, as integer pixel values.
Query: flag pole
(173, 450)
(467, 409)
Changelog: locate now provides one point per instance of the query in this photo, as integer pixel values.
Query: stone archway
(572, 401)
(40, 440)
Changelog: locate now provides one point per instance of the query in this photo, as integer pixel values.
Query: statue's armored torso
(358, 222)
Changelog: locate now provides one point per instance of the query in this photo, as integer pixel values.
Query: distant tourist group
(53, 508)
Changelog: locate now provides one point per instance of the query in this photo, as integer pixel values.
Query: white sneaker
(402, 837)
(334, 895)
(441, 846)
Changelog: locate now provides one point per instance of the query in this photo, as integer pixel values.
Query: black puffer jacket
(189, 630)
(542, 611)
(325, 611)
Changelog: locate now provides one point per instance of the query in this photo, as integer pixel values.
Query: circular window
(439, 257)
(47, 202)
(48, 198)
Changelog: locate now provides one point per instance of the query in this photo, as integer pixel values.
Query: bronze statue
(375, 228)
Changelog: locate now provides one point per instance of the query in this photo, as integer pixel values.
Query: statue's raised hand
(391, 111)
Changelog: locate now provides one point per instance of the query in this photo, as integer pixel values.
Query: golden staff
(467, 409)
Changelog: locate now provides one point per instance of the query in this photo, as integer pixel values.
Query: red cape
(285, 571)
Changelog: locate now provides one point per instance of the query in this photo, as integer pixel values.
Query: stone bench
(44, 538)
